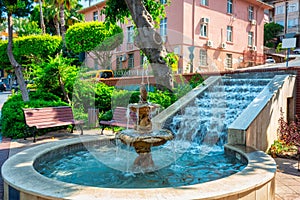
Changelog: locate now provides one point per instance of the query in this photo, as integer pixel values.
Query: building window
(119, 62)
(163, 1)
(130, 34)
(229, 60)
(203, 57)
(163, 29)
(251, 12)
(204, 2)
(292, 23)
(95, 16)
(281, 22)
(203, 30)
(250, 38)
(279, 10)
(130, 61)
(229, 33)
(229, 6)
(293, 7)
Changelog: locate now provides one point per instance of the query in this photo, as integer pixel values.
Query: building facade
(207, 35)
(287, 14)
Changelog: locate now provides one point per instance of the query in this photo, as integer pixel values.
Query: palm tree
(42, 17)
(61, 4)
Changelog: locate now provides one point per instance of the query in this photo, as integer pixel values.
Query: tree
(146, 15)
(95, 38)
(30, 49)
(271, 31)
(42, 17)
(18, 8)
(61, 4)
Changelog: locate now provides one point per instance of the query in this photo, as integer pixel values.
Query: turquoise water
(193, 167)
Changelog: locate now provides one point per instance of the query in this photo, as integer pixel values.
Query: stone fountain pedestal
(142, 137)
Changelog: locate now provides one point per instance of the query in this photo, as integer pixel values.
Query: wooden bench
(119, 119)
(48, 117)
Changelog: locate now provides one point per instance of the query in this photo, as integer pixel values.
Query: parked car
(296, 51)
(29, 84)
(2, 86)
(270, 59)
(104, 74)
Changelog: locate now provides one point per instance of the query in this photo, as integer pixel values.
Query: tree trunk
(42, 17)
(56, 24)
(62, 21)
(150, 42)
(14, 63)
(62, 86)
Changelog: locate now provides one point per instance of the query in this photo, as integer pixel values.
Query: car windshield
(106, 74)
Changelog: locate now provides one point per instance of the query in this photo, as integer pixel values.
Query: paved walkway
(287, 177)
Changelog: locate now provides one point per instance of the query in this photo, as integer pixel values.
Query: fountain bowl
(255, 181)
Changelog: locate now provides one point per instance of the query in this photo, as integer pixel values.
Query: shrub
(103, 94)
(12, 119)
(124, 97)
(33, 46)
(289, 137)
(88, 36)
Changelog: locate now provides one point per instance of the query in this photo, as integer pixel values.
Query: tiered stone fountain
(143, 137)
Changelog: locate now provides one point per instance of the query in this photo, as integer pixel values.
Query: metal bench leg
(34, 130)
(103, 127)
(72, 129)
(81, 130)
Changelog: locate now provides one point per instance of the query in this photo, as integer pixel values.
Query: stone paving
(287, 176)
(287, 179)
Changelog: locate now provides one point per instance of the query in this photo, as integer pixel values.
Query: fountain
(142, 137)
(200, 167)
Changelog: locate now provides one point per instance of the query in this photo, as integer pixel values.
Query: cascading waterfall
(205, 120)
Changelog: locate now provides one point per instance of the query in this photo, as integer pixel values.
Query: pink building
(225, 34)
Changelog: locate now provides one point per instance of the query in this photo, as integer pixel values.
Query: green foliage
(24, 26)
(47, 75)
(106, 116)
(12, 118)
(279, 48)
(278, 147)
(116, 10)
(30, 48)
(19, 8)
(88, 36)
(124, 97)
(196, 80)
(271, 31)
(172, 61)
(103, 95)
(4, 61)
(163, 98)
(83, 95)
(37, 45)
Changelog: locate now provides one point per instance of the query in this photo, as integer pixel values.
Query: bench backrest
(39, 116)
(120, 115)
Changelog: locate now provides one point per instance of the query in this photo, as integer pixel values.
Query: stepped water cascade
(205, 120)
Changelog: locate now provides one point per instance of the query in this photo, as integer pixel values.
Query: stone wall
(257, 125)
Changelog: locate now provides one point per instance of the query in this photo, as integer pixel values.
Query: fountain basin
(257, 180)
